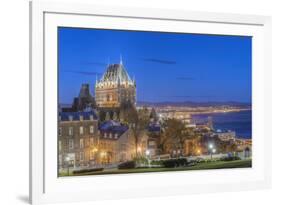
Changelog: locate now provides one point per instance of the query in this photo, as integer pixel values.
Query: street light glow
(103, 154)
(211, 146)
(147, 152)
(214, 150)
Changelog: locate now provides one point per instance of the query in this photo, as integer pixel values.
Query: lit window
(81, 156)
(59, 145)
(71, 144)
(91, 129)
(81, 130)
(81, 143)
(60, 131)
(70, 130)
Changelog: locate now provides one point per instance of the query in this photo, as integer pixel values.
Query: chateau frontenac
(115, 87)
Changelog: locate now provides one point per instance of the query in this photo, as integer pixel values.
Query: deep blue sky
(166, 66)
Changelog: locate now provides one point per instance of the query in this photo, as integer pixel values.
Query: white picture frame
(46, 187)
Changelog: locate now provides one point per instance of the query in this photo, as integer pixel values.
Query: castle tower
(84, 99)
(115, 87)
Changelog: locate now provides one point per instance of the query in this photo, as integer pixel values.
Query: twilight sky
(166, 66)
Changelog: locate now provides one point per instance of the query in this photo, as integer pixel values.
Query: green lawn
(199, 166)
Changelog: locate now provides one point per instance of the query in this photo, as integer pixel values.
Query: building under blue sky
(166, 66)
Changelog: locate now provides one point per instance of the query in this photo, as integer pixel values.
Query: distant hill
(194, 104)
(185, 103)
(65, 105)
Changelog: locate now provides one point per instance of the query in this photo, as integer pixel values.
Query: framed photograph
(129, 102)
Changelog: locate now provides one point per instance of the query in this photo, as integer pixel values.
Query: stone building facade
(78, 138)
(83, 143)
(116, 142)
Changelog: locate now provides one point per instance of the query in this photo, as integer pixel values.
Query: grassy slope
(200, 166)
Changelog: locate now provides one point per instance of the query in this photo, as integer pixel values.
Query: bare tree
(138, 121)
(176, 134)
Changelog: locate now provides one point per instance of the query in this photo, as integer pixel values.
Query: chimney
(84, 91)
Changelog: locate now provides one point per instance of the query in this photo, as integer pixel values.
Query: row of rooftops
(78, 116)
(112, 125)
(110, 129)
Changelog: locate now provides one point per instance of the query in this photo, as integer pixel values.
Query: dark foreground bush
(174, 162)
(230, 158)
(81, 171)
(157, 162)
(127, 165)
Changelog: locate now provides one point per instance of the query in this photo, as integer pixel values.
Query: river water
(240, 122)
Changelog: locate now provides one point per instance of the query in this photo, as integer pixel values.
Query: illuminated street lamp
(147, 152)
(212, 150)
(67, 159)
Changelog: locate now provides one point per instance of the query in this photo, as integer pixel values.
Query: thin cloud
(185, 78)
(161, 61)
(194, 96)
(91, 73)
(94, 63)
